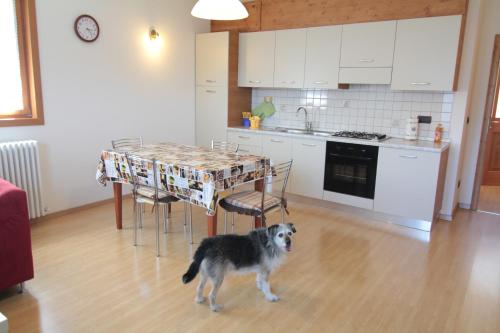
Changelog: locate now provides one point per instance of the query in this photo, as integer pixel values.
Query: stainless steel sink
(300, 131)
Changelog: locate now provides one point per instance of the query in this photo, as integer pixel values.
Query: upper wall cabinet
(322, 57)
(289, 60)
(256, 59)
(367, 52)
(212, 59)
(426, 53)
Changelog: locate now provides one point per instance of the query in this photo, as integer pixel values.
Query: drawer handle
(211, 81)
(277, 141)
(309, 144)
(256, 81)
(421, 83)
(321, 82)
(243, 137)
(366, 60)
(243, 150)
(408, 156)
(211, 91)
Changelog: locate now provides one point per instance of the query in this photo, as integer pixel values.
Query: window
(20, 88)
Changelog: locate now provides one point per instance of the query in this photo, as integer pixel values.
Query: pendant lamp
(219, 10)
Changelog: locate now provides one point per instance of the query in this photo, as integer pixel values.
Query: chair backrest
(224, 145)
(135, 177)
(127, 143)
(279, 174)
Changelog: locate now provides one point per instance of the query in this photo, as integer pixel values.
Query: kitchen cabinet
(322, 57)
(212, 59)
(308, 167)
(211, 114)
(410, 183)
(367, 52)
(289, 59)
(256, 59)
(249, 143)
(278, 148)
(425, 55)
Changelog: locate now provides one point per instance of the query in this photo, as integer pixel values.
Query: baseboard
(76, 209)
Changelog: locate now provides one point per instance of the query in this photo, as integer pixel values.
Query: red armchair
(16, 260)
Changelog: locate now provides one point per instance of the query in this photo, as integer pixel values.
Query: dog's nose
(288, 241)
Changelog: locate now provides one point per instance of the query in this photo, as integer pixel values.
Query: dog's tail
(195, 265)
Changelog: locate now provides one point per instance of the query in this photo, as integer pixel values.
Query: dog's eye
(280, 235)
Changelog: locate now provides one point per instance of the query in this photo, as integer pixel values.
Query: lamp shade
(219, 10)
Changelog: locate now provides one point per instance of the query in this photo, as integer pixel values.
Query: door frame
(490, 99)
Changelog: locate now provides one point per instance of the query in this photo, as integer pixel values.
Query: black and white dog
(260, 251)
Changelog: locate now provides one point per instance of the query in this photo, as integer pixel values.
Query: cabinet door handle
(320, 82)
(243, 137)
(309, 144)
(277, 141)
(256, 81)
(211, 81)
(421, 83)
(211, 91)
(366, 60)
(408, 156)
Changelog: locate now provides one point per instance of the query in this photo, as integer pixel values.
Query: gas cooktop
(361, 135)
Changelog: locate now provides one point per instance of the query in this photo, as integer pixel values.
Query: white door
(289, 58)
(308, 167)
(211, 114)
(406, 183)
(426, 53)
(256, 59)
(368, 44)
(212, 59)
(322, 57)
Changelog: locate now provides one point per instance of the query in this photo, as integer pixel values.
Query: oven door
(349, 173)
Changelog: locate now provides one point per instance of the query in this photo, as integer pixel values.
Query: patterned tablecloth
(190, 173)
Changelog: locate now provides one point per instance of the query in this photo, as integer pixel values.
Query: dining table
(197, 175)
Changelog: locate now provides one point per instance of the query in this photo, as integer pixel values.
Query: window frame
(29, 60)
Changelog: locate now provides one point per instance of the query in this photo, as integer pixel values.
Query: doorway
(486, 195)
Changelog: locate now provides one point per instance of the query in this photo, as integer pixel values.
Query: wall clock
(86, 28)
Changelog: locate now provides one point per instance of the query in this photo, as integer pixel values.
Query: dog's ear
(272, 230)
(292, 227)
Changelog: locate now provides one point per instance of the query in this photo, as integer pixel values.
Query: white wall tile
(371, 108)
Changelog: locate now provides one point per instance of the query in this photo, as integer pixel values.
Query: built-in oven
(351, 169)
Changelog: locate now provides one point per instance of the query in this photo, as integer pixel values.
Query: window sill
(6, 122)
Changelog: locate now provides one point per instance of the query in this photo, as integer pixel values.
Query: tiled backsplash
(370, 108)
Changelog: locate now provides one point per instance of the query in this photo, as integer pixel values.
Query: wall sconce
(153, 34)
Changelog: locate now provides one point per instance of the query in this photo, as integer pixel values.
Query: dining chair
(224, 145)
(258, 203)
(143, 194)
(127, 142)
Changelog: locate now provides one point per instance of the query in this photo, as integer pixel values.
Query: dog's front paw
(272, 298)
(200, 299)
(215, 307)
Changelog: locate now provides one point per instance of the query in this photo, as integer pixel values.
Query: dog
(261, 251)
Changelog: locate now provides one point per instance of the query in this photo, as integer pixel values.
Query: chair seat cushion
(249, 202)
(149, 193)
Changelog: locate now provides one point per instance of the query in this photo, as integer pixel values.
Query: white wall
(115, 87)
(489, 26)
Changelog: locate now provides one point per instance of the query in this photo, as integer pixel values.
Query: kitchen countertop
(422, 145)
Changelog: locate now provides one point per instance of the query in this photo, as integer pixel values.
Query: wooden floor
(345, 274)
(489, 199)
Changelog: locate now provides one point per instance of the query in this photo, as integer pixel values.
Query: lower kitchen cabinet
(248, 143)
(410, 183)
(308, 167)
(278, 148)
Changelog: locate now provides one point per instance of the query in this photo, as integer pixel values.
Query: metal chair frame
(280, 173)
(224, 145)
(127, 143)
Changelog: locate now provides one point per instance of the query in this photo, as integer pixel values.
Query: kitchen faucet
(308, 124)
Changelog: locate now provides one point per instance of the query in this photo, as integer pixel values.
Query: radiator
(20, 165)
